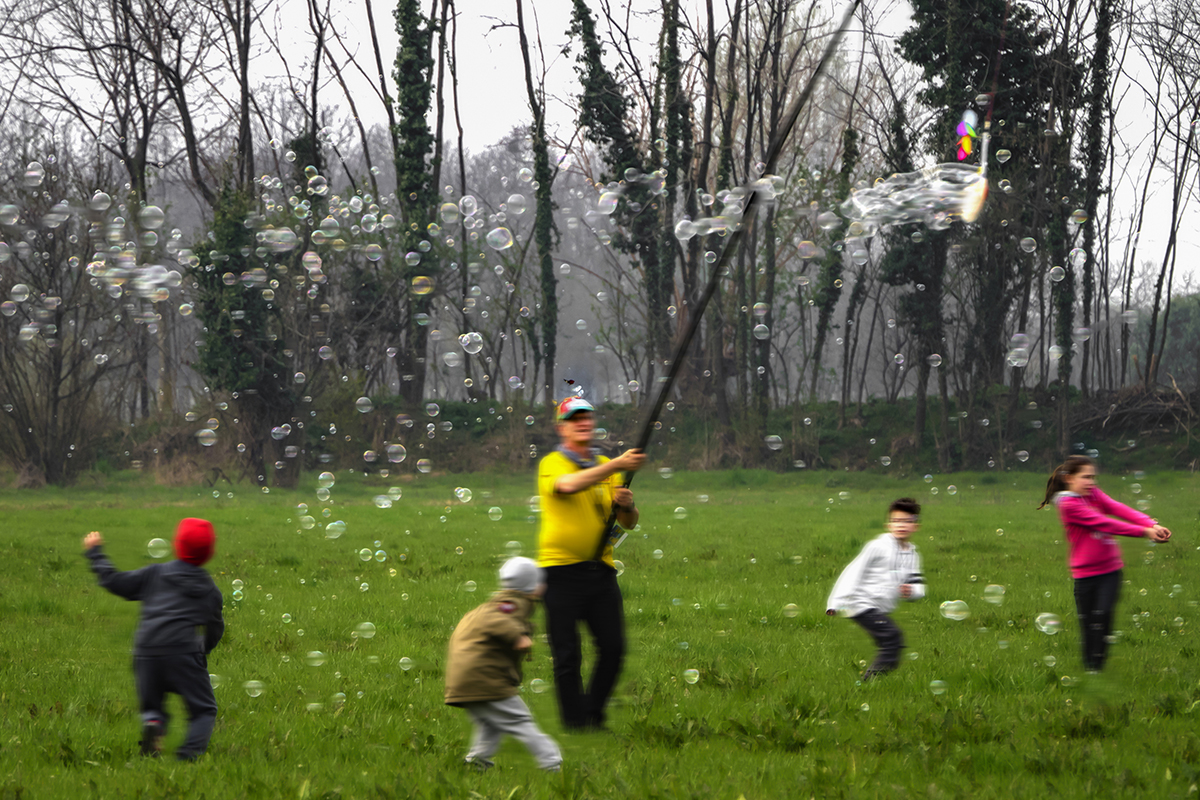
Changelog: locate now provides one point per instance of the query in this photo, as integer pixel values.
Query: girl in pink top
(1090, 518)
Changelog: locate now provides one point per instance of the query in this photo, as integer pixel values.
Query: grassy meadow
(728, 576)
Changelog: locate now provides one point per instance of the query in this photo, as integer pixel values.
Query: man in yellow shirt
(578, 490)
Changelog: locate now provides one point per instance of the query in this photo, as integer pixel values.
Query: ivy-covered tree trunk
(241, 354)
(543, 224)
(829, 279)
(604, 118)
(414, 187)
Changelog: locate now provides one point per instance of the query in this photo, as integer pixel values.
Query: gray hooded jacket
(177, 599)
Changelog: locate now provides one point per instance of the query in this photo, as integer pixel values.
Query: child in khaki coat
(483, 668)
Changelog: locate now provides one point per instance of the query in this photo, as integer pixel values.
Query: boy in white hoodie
(870, 587)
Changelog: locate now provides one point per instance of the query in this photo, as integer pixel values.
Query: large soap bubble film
(934, 197)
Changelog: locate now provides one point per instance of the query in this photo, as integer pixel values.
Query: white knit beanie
(520, 573)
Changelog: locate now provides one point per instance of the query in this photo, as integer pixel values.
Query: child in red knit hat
(168, 654)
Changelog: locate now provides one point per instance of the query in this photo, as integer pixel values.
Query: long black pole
(753, 200)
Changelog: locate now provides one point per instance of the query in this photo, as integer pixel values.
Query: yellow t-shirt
(572, 523)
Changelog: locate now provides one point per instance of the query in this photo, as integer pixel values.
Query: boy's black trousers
(888, 638)
(586, 592)
(185, 674)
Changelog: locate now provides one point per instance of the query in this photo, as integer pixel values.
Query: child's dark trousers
(187, 676)
(888, 638)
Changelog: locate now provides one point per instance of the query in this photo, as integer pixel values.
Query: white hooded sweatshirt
(873, 579)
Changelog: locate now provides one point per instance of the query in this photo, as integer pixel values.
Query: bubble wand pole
(753, 199)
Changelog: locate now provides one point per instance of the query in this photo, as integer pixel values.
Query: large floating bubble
(471, 342)
(935, 196)
(956, 610)
(1048, 623)
(500, 238)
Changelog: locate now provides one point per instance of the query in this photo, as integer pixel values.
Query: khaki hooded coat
(482, 663)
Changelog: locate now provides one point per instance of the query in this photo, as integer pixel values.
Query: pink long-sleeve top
(1090, 522)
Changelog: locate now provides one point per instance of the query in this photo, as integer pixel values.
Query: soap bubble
(994, 594)
(1049, 661)
(681, 513)
(422, 285)
(158, 548)
(657, 554)
(151, 218)
(1003, 156)
(365, 630)
(470, 586)
(364, 405)
(934, 360)
(364, 554)
(287, 619)
(1022, 456)
(495, 513)
(937, 687)
(424, 466)
(761, 332)
(463, 494)
(326, 480)
(471, 342)
(791, 610)
(956, 610)
(335, 529)
(935, 196)
(537, 685)
(500, 238)
(406, 663)
(253, 688)
(1048, 623)
(1028, 244)
(774, 442)
(607, 203)
(691, 675)
(448, 213)
(315, 658)
(513, 548)
(35, 173)
(1057, 274)
(396, 453)
(885, 461)
(206, 436)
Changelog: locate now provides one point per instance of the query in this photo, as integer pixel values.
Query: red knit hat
(194, 540)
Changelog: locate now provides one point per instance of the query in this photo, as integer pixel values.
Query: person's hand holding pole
(631, 460)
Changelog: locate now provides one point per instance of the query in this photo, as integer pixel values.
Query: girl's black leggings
(1095, 599)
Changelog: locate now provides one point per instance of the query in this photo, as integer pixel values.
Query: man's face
(578, 429)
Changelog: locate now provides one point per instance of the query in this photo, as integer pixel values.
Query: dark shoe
(152, 737)
(478, 764)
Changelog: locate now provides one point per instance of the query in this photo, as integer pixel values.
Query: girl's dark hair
(1058, 478)
(905, 505)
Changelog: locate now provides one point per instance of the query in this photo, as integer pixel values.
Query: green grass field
(777, 710)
